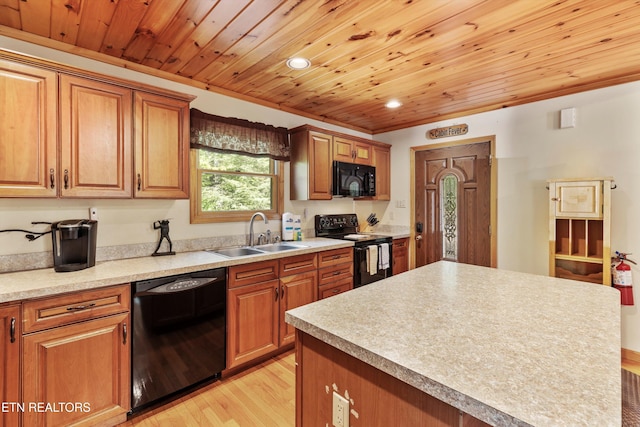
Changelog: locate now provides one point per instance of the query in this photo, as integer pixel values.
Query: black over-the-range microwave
(352, 180)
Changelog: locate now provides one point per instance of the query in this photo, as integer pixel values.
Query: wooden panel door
(28, 131)
(455, 224)
(95, 139)
(295, 291)
(345, 150)
(10, 363)
(578, 199)
(382, 163)
(252, 330)
(162, 147)
(320, 166)
(86, 363)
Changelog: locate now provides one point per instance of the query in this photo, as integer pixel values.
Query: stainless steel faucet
(251, 225)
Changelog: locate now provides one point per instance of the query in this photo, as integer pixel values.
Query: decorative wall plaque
(448, 131)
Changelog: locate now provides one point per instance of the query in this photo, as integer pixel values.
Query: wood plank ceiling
(440, 58)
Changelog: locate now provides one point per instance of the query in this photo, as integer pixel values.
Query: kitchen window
(228, 187)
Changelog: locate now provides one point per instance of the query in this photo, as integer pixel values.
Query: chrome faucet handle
(276, 238)
(260, 237)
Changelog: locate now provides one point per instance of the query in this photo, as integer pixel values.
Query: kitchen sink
(236, 252)
(277, 247)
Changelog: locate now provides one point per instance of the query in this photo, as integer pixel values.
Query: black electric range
(372, 255)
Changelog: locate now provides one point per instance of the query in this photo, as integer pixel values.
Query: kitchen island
(475, 344)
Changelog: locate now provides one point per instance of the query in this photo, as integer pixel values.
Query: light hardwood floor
(261, 396)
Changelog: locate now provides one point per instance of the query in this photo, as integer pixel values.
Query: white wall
(530, 149)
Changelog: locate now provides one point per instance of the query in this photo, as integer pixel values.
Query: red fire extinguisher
(622, 278)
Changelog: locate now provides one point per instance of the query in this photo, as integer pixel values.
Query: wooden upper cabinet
(28, 131)
(161, 147)
(382, 162)
(95, 139)
(311, 165)
(345, 150)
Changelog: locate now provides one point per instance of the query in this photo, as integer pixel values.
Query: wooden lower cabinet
(10, 364)
(77, 374)
(400, 255)
(335, 272)
(375, 397)
(259, 294)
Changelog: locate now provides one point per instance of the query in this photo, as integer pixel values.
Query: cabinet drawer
(327, 291)
(332, 274)
(70, 308)
(335, 256)
(298, 264)
(256, 272)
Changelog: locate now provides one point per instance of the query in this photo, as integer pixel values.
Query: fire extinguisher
(622, 278)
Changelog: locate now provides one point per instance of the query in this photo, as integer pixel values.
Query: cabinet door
(28, 131)
(382, 162)
(400, 255)
(162, 147)
(10, 363)
(295, 291)
(578, 199)
(95, 139)
(320, 166)
(345, 150)
(86, 364)
(252, 330)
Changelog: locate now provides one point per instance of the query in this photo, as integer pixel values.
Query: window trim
(197, 216)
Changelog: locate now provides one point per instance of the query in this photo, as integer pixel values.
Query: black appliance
(352, 180)
(179, 334)
(366, 246)
(74, 244)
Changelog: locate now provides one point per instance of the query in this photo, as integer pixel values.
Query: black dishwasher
(179, 334)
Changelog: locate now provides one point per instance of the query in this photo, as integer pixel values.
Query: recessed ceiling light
(298, 63)
(394, 103)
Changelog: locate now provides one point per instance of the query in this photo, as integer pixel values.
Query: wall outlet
(340, 411)
(93, 213)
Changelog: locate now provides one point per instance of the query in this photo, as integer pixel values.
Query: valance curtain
(238, 136)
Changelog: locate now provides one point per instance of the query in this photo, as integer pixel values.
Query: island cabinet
(259, 294)
(335, 272)
(400, 255)
(76, 358)
(323, 371)
(579, 229)
(351, 151)
(10, 364)
(77, 134)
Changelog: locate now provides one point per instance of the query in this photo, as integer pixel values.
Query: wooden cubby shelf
(579, 229)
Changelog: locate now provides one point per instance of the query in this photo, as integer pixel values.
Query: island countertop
(508, 348)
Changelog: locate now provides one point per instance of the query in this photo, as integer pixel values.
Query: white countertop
(45, 282)
(507, 348)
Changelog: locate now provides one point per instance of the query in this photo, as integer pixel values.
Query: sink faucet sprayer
(251, 225)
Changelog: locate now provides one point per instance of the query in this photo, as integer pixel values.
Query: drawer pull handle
(277, 293)
(139, 182)
(336, 257)
(335, 273)
(335, 291)
(124, 333)
(66, 179)
(51, 179)
(12, 330)
(81, 307)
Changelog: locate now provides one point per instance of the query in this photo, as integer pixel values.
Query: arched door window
(449, 219)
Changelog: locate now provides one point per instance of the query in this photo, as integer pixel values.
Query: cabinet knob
(555, 199)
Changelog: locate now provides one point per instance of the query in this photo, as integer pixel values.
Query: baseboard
(631, 355)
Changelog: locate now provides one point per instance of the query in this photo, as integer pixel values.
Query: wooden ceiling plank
(239, 27)
(126, 19)
(151, 26)
(278, 28)
(35, 17)
(192, 46)
(10, 13)
(182, 25)
(95, 23)
(65, 20)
